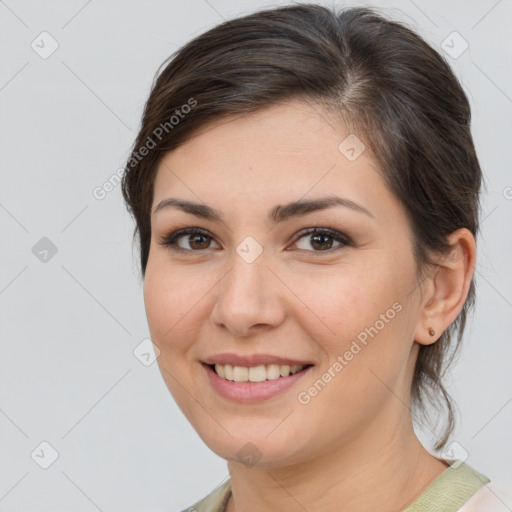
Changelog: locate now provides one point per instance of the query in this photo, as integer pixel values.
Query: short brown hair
(382, 79)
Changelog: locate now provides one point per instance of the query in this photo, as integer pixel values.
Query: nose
(249, 299)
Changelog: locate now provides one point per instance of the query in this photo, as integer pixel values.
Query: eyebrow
(279, 213)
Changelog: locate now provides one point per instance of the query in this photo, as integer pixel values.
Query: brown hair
(383, 80)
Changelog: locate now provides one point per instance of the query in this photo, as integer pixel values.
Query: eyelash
(345, 241)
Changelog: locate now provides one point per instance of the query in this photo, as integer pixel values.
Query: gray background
(69, 325)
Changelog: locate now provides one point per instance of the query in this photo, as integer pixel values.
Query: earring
(431, 331)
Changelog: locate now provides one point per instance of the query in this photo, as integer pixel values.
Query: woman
(306, 191)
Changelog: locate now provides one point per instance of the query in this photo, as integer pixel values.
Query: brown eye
(190, 240)
(322, 240)
(196, 240)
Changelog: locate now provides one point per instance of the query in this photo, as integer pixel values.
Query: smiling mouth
(258, 373)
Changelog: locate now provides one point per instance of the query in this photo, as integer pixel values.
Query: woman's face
(255, 287)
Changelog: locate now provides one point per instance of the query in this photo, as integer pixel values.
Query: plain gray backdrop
(73, 81)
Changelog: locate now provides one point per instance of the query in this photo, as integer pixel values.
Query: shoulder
(216, 501)
(488, 499)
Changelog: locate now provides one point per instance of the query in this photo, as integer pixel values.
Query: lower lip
(251, 392)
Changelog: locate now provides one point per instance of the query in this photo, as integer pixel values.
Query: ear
(446, 288)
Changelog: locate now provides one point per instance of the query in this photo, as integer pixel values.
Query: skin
(353, 443)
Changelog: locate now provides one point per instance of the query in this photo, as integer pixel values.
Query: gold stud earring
(431, 331)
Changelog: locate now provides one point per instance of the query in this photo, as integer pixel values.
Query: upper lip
(252, 360)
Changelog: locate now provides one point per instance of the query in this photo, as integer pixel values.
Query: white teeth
(228, 371)
(273, 371)
(220, 370)
(256, 373)
(240, 374)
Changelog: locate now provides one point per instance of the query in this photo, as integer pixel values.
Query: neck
(379, 469)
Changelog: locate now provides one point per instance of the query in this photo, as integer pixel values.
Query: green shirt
(447, 493)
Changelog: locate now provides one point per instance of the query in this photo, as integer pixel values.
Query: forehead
(288, 151)
(290, 131)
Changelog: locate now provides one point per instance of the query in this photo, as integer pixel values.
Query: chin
(255, 450)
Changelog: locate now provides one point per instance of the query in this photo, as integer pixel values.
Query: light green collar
(447, 493)
(450, 490)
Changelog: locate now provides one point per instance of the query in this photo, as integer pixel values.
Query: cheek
(343, 301)
(172, 307)
(359, 319)
(170, 304)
